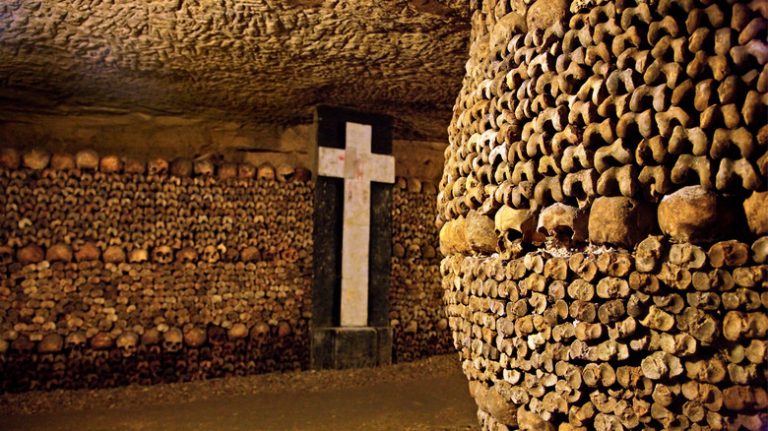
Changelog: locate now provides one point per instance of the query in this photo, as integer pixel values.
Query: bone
(87, 160)
(36, 159)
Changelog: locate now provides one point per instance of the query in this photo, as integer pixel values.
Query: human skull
(285, 173)
(211, 254)
(101, 341)
(128, 342)
(173, 340)
(260, 331)
(110, 164)
(114, 254)
(182, 167)
(266, 172)
(36, 159)
(51, 343)
(204, 168)
(246, 171)
(564, 222)
(195, 337)
(10, 158)
(59, 253)
(162, 254)
(6, 255)
(227, 171)
(138, 255)
(62, 162)
(87, 160)
(134, 166)
(157, 166)
(186, 255)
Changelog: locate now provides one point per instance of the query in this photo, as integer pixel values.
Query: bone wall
(115, 272)
(417, 316)
(603, 215)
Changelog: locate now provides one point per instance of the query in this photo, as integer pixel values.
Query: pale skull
(186, 255)
(204, 167)
(157, 166)
(211, 254)
(162, 254)
(127, 342)
(173, 340)
(138, 255)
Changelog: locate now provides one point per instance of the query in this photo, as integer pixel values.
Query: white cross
(358, 166)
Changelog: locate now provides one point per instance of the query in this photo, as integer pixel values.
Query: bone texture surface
(116, 271)
(603, 215)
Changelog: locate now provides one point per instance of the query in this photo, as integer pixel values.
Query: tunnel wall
(603, 215)
(115, 271)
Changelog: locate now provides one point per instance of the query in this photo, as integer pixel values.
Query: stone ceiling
(254, 60)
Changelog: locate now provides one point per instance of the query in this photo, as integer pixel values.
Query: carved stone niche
(603, 215)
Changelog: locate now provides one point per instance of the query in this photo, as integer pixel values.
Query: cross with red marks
(359, 167)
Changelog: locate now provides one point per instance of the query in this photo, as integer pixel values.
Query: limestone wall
(603, 213)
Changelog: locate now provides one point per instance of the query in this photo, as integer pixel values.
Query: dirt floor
(426, 395)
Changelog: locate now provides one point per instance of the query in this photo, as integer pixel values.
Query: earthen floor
(429, 394)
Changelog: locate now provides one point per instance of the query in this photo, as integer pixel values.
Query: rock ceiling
(258, 60)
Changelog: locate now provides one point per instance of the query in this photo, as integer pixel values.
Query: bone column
(359, 167)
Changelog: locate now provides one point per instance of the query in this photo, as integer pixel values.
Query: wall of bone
(417, 317)
(603, 214)
(115, 271)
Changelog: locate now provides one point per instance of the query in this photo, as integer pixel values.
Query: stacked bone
(417, 316)
(114, 272)
(579, 125)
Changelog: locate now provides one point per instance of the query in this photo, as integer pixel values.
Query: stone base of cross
(349, 337)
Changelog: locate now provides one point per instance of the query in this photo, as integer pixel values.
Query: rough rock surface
(263, 60)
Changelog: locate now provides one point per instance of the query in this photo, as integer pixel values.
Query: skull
(150, 337)
(62, 162)
(101, 341)
(516, 228)
(157, 166)
(87, 252)
(246, 171)
(204, 168)
(237, 331)
(87, 160)
(173, 340)
(110, 164)
(182, 167)
(10, 158)
(250, 254)
(75, 340)
(6, 255)
(227, 171)
(266, 172)
(186, 255)
(564, 222)
(133, 166)
(260, 331)
(138, 255)
(211, 254)
(51, 343)
(114, 254)
(162, 254)
(195, 337)
(285, 173)
(127, 342)
(36, 159)
(59, 253)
